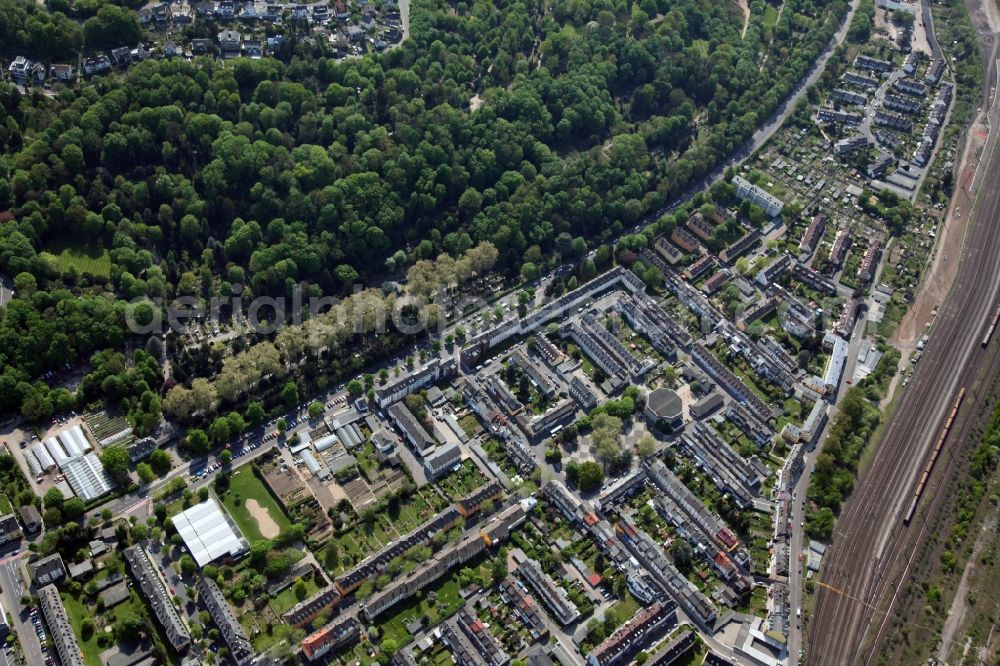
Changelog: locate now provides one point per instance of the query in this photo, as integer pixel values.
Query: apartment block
(155, 592)
(747, 241)
(771, 204)
(684, 240)
(552, 596)
(60, 628)
(210, 595)
(340, 633)
(699, 267)
(638, 633)
(304, 612)
(374, 565)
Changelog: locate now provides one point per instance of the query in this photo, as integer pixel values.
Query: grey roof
(48, 566)
(211, 596)
(664, 403)
(60, 628)
(81, 569)
(156, 594)
(9, 525)
(115, 595)
(30, 515)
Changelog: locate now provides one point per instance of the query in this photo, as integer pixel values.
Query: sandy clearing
(268, 528)
(951, 235)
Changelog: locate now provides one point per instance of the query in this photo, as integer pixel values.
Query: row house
(849, 97)
(431, 373)
(859, 80)
(155, 592)
(304, 612)
(828, 115)
(700, 267)
(892, 121)
(240, 649)
(911, 87)
(852, 144)
(684, 240)
(337, 635)
(667, 250)
(873, 64)
(372, 566)
(697, 225)
(714, 283)
(555, 598)
(749, 239)
(774, 270)
(900, 103)
(443, 561)
(813, 278)
(841, 244)
(60, 628)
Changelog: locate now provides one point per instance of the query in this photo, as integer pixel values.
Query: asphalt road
(797, 538)
(13, 588)
(772, 124)
(869, 559)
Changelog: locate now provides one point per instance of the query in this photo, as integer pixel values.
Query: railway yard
(885, 528)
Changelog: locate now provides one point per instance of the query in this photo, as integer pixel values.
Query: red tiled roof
(594, 579)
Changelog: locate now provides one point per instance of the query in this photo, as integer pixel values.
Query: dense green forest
(198, 175)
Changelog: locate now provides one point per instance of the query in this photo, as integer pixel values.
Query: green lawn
(448, 601)
(5, 507)
(85, 259)
(623, 611)
(459, 484)
(77, 611)
(287, 597)
(244, 485)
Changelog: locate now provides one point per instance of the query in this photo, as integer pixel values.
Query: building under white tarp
(56, 450)
(323, 443)
(310, 460)
(42, 455)
(82, 443)
(69, 444)
(209, 533)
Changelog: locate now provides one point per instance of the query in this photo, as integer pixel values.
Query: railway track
(922, 521)
(935, 454)
(862, 565)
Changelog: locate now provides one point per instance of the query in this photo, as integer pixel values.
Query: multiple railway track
(885, 519)
(929, 467)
